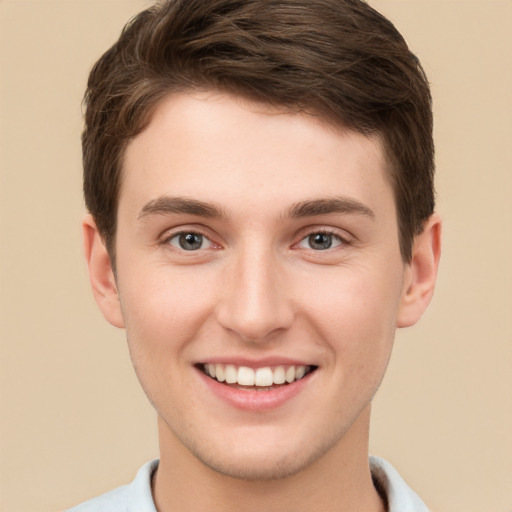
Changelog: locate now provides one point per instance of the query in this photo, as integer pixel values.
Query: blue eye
(189, 241)
(321, 241)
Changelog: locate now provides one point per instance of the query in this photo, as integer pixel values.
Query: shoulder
(133, 497)
(400, 497)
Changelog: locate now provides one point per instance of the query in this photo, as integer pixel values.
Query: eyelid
(171, 233)
(205, 241)
(337, 242)
(344, 237)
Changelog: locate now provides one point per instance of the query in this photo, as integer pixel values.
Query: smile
(260, 379)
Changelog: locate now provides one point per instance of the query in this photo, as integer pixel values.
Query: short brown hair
(338, 59)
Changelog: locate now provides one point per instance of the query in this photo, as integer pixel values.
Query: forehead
(220, 148)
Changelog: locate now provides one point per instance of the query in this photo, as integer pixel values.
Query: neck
(339, 481)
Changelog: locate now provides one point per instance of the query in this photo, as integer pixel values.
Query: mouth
(264, 378)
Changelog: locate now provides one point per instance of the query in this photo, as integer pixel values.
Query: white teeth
(279, 375)
(263, 378)
(219, 372)
(245, 376)
(210, 368)
(231, 374)
(300, 371)
(290, 374)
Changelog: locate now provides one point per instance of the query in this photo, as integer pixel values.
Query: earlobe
(101, 275)
(421, 273)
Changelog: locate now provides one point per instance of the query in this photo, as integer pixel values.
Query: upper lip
(256, 363)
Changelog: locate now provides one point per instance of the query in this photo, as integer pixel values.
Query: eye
(189, 241)
(321, 241)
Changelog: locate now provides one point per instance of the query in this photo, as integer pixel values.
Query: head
(260, 174)
(338, 60)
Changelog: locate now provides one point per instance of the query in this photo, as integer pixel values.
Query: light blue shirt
(137, 497)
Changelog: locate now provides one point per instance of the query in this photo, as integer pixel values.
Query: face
(260, 281)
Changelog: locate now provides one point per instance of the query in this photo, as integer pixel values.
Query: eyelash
(305, 239)
(330, 233)
(167, 240)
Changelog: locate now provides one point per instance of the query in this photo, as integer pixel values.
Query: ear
(421, 273)
(101, 275)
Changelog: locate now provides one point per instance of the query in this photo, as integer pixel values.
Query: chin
(260, 462)
(256, 469)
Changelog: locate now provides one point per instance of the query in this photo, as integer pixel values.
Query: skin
(256, 290)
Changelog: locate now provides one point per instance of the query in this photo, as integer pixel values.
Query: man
(258, 176)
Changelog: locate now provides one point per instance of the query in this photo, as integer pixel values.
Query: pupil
(320, 241)
(190, 241)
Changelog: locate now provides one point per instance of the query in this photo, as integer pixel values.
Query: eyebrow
(168, 205)
(343, 205)
(310, 208)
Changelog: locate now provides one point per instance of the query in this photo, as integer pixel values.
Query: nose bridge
(256, 302)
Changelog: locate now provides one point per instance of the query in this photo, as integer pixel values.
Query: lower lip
(251, 400)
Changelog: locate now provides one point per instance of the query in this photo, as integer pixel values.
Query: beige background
(74, 422)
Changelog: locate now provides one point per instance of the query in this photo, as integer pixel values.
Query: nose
(256, 303)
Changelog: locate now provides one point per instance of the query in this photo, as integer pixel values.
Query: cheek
(356, 314)
(161, 318)
(163, 304)
(162, 313)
